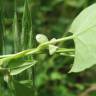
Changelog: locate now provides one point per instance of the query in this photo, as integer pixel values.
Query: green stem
(35, 50)
(61, 50)
(68, 55)
(56, 41)
(63, 39)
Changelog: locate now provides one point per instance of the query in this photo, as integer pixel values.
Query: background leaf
(22, 90)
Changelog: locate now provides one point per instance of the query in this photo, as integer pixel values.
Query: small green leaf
(17, 70)
(84, 30)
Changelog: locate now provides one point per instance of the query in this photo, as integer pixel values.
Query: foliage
(22, 58)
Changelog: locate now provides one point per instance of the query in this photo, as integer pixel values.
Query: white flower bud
(41, 38)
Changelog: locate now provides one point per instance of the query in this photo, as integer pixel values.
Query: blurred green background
(52, 18)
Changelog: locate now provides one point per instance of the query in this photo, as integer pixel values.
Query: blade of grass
(27, 37)
(1, 31)
(15, 30)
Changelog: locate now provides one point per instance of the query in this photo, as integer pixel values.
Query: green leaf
(22, 67)
(84, 30)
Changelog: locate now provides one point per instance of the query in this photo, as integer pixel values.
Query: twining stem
(35, 50)
(69, 55)
(61, 50)
(57, 41)
(62, 39)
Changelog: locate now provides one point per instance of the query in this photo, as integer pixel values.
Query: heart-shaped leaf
(84, 31)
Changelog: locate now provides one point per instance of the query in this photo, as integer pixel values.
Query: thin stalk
(55, 41)
(63, 39)
(68, 55)
(35, 50)
(60, 40)
(61, 50)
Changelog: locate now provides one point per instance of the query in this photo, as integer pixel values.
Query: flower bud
(41, 38)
